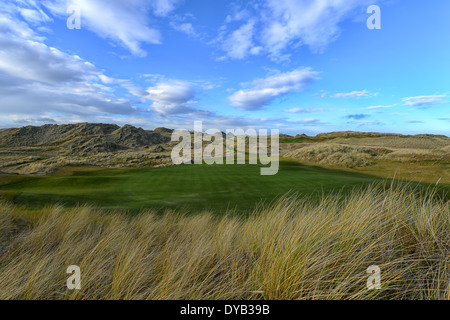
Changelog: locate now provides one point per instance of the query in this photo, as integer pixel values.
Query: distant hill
(45, 149)
(82, 138)
(164, 131)
(350, 134)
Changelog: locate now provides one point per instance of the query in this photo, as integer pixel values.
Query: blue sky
(301, 66)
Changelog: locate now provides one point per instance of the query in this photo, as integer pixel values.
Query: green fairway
(192, 187)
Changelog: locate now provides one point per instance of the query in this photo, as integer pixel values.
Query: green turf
(192, 187)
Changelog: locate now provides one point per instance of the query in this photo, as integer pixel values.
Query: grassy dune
(291, 249)
(420, 158)
(334, 155)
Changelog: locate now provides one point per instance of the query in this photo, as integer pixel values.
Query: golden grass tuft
(290, 249)
(335, 155)
(425, 142)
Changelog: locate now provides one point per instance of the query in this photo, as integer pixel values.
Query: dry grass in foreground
(291, 249)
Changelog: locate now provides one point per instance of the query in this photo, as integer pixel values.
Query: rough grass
(291, 249)
(334, 155)
(401, 142)
(408, 155)
(44, 165)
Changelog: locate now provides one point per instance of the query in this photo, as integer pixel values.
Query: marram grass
(290, 249)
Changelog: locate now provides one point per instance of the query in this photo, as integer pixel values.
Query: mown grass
(290, 249)
(193, 187)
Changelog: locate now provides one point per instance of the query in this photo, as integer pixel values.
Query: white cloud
(38, 81)
(365, 123)
(237, 14)
(127, 23)
(163, 7)
(262, 91)
(30, 97)
(239, 43)
(107, 80)
(172, 97)
(298, 110)
(321, 94)
(124, 22)
(425, 101)
(355, 94)
(284, 24)
(14, 28)
(379, 107)
(31, 60)
(186, 28)
(304, 110)
(311, 23)
(34, 16)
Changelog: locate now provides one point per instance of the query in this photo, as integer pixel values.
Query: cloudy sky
(301, 66)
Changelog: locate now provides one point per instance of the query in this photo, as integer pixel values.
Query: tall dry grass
(335, 155)
(290, 249)
(420, 142)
